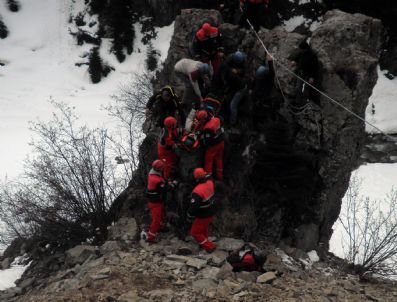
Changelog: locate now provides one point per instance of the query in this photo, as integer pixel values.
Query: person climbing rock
(265, 104)
(232, 75)
(165, 103)
(211, 138)
(249, 258)
(197, 78)
(170, 136)
(156, 190)
(307, 66)
(254, 11)
(207, 46)
(202, 209)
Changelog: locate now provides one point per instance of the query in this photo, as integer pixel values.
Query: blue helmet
(239, 57)
(204, 68)
(262, 71)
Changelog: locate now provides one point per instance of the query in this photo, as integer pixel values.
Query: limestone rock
(109, 246)
(225, 272)
(125, 229)
(266, 277)
(196, 263)
(230, 244)
(79, 254)
(201, 284)
(5, 264)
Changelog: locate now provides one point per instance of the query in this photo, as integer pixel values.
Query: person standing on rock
(207, 46)
(211, 138)
(165, 103)
(202, 209)
(232, 75)
(197, 78)
(254, 11)
(170, 136)
(156, 190)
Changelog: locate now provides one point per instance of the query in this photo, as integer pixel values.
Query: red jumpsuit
(155, 192)
(167, 142)
(210, 46)
(203, 209)
(212, 139)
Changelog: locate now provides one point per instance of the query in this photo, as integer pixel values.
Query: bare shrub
(68, 185)
(370, 231)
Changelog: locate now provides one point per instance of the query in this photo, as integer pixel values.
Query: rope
(313, 87)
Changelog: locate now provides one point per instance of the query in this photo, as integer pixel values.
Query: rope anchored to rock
(313, 87)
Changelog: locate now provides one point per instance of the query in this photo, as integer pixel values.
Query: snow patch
(313, 256)
(9, 276)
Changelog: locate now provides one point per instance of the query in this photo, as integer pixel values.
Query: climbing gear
(201, 115)
(199, 173)
(158, 165)
(170, 122)
(189, 142)
(262, 71)
(204, 68)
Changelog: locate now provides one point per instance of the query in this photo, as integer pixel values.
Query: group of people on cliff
(215, 85)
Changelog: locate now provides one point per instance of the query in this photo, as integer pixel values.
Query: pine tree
(3, 30)
(152, 56)
(13, 5)
(95, 67)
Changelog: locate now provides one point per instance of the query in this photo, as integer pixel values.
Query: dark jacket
(263, 87)
(234, 81)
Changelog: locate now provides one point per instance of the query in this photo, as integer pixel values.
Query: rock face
(285, 180)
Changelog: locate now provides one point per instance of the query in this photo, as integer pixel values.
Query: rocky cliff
(283, 181)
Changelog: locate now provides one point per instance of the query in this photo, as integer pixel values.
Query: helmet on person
(204, 68)
(206, 28)
(158, 165)
(199, 173)
(239, 57)
(170, 122)
(201, 115)
(262, 71)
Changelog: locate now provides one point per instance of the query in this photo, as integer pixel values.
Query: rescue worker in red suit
(156, 190)
(211, 137)
(202, 209)
(248, 259)
(207, 46)
(253, 10)
(169, 137)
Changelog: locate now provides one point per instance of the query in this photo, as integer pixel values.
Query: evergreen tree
(13, 5)
(95, 67)
(152, 56)
(3, 30)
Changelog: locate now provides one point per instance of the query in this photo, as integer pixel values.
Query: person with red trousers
(207, 46)
(156, 190)
(169, 137)
(211, 138)
(202, 209)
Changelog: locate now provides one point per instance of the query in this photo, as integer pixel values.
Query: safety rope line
(313, 87)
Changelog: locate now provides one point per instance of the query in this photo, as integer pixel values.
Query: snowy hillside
(40, 56)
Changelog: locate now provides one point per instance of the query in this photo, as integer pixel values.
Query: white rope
(319, 91)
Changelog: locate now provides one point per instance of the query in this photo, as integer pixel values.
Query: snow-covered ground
(9, 276)
(40, 57)
(384, 99)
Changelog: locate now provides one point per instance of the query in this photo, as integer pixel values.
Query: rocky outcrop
(158, 273)
(284, 181)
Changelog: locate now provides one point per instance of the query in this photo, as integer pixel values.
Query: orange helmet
(170, 122)
(199, 173)
(201, 115)
(206, 28)
(158, 165)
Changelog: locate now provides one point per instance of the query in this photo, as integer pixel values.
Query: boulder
(266, 277)
(109, 246)
(125, 229)
(230, 244)
(79, 254)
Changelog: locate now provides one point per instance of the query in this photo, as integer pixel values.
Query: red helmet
(170, 122)
(158, 165)
(201, 115)
(206, 28)
(199, 173)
